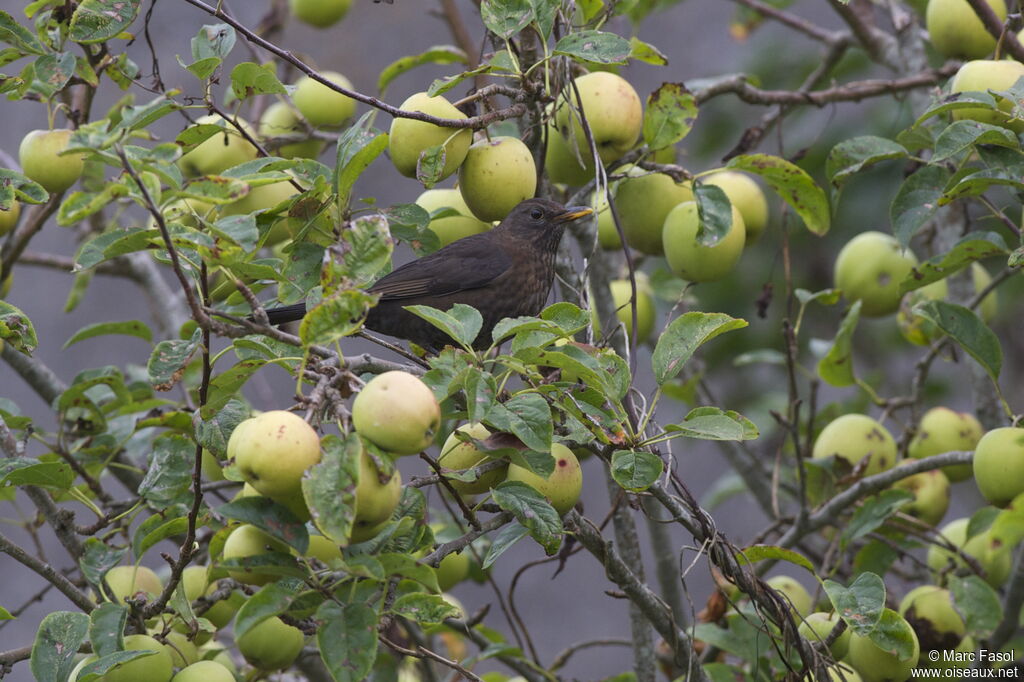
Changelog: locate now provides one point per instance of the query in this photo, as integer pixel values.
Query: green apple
(564, 164)
(943, 430)
(816, 628)
(362, 531)
(262, 198)
(991, 553)
(222, 611)
(694, 261)
(220, 151)
(319, 13)
(746, 195)
(127, 581)
(158, 667)
(73, 676)
(215, 651)
(248, 540)
(989, 306)
(930, 611)
(643, 201)
(999, 465)
(204, 671)
(562, 487)
(453, 569)
(271, 645)
(875, 664)
(957, 32)
(843, 673)
(280, 120)
(397, 412)
(798, 596)
(931, 495)
(211, 467)
(613, 112)
(375, 500)
(869, 268)
(452, 227)
(409, 138)
(497, 174)
(852, 437)
(325, 550)
(41, 160)
(195, 580)
(982, 75)
(457, 455)
(9, 219)
(607, 234)
(322, 106)
(922, 332)
(622, 291)
(273, 453)
(183, 650)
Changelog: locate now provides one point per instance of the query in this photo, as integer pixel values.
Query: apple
(73, 675)
(613, 112)
(931, 495)
(607, 234)
(194, 579)
(42, 162)
(852, 437)
(943, 430)
(183, 650)
(375, 500)
(816, 628)
(409, 138)
(992, 555)
(220, 655)
(362, 531)
(746, 195)
(982, 75)
(563, 164)
(220, 151)
(204, 671)
(248, 540)
(562, 487)
(319, 13)
(397, 412)
(930, 611)
(643, 201)
(280, 120)
(158, 667)
(211, 467)
(794, 592)
(453, 569)
(222, 611)
(497, 174)
(875, 664)
(322, 106)
(273, 452)
(459, 456)
(843, 673)
(453, 227)
(127, 581)
(325, 550)
(271, 645)
(989, 306)
(869, 268)
(9, 218)
(999, 465)
(692, 260)
(957, 32)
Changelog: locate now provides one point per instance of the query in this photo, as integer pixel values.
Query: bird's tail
(287, 313)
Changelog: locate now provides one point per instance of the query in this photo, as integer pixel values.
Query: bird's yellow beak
(572, 213)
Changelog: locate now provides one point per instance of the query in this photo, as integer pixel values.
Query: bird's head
(540, 220)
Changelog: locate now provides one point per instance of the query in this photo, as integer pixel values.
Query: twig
(994, 25)
(423, 652)
(56, 578)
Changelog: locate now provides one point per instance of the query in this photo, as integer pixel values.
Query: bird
(504, 272)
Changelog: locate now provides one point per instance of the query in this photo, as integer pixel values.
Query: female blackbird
(505, 272)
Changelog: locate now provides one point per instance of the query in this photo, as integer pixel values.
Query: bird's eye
(536, 214)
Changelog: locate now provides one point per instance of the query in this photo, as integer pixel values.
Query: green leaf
(964, 327)
(16, 35)
(595, 46)
(214, 433)
(793, 184)
(894, 635)
(267, 515)
(248, 79)
(850, 157)
(544, 12)
(962, 136)
(424, 608)
(340, 315)
(57, 642)
(480, 388)
(506, 537)
(329, 487)
(670, 114)
(636, 470)
(14, 185)
(16, 471)
(155, 529)
(916, 201)
(836, 368)
(106, 628)
(645, 52)
(169, 474)
(958, 100)
(532, 511)
(754, 553)
(98, 668)
(128, 328)
(861, 604)
(358, 146)
(875, 511)
(713, 423)
(98, 558)
(715, 213)
(438, 54)
(17, 329)
(97, 20)
(213, 40)
(430, 165)
(272, 599)
(683, 336)
(227, 385)
(369, 248)
(347, 639)
(52, 72)
(168, 361)
(505, 18)
(528, 417)
(975, 246)
(978, 604)
(461, 322)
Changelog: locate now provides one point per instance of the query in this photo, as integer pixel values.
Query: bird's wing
(464, 264)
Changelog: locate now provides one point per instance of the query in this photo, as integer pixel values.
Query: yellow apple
(158, 667)
(183, 650)
(982, 75)
(274, 451)
(564, 164)
(409, 137)
(690, 259)
(453, 227)
(220, 151)
(41, 160)
(459, 456)
(992, 554)
(607, 234)
(798, 596)
(222, 611)
(324, 549)
(869, 268)
(875, 664)
(397, 412)
(931, 495)
(622, 291)
(248, 540)
(930, 611)
(280, 120)
(922, 332)
(943, 430)
(999, 465)
(643, 201)
(271, 645)
(375, 499)
(496, 175)
(322, 106)
(746, 195)
(957, 32)
(127, 581)
(9, 219)
(562, 487)
(816, 628)
(453, 569)
(204, 671)
(320, 13)
(852, 437)
(613, 112)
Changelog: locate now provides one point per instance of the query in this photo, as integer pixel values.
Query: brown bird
(505, 272)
